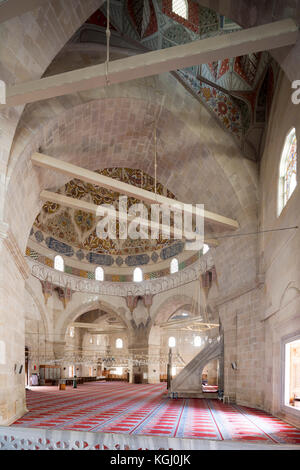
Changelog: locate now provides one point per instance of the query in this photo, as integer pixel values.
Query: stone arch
(39, 305)
(290, 292)
(212, 358)
(170, 306)
(162, 314)
(64, 321)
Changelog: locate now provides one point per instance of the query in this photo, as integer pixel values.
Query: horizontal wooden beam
(94, 326)
(79, 204)
(259, 38)
(106, 332)
(112, 184)
(188, 322)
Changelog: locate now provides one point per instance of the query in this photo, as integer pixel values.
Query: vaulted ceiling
(237, 91)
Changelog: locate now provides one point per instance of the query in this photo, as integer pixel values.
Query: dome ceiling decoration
(229, 88)
(66, 230)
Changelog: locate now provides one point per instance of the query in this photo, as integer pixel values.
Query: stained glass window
(180, 7)
(288, 170)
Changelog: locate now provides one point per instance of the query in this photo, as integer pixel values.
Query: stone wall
(12, 334)
(102, 128)
(279, 253)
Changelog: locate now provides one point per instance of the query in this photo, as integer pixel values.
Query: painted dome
(70, 231)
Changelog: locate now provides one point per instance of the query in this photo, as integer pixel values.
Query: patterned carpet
(119, 407)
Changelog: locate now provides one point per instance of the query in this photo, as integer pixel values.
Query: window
(99, 274)
(172, 342)
(197, 341)
(292, 374)
(72, 331)
(59, 263)
(91, 340)
(71, 371)
(180, 7)
(205, 248)
(174, 266)
(288, 170)
(119, 343)
(173, 372)
(137, 275)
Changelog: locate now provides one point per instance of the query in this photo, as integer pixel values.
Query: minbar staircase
(188, 383)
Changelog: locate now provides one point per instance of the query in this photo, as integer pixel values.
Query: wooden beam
(188, 322)
(79, 204)
(92, 326)
(259, 38)
(106, 332)
(88, 176)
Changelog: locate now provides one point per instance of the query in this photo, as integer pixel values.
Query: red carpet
(146, 410)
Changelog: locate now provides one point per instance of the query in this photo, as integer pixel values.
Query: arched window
(174, 266)
(119, 343)
(59, 263)
(288, 170)
(180, 7)
(99, 274)
(205, 248)
(197, 341)
(172, 342)
(137, 275)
